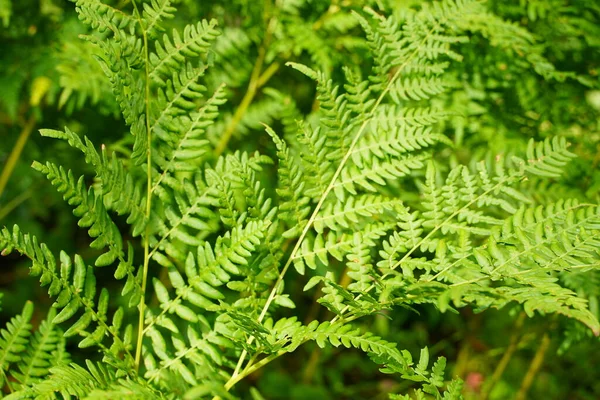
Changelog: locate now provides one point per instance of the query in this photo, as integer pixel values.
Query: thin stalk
(142, 304)
(311, 366)
(512, 347)
(16, 153)
(257, 80)
(534, 367)
(14, 203)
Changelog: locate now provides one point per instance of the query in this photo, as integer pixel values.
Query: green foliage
(349, 138)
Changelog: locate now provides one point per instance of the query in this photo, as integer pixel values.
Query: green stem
(142, 304)
(14, 203)
(534, 367)
(16, 153)
(512, 347)
(257, 80)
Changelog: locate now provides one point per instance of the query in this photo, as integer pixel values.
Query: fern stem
(512, 347)
(14, 203)
(257, 80)
(16, 153)
(534, 367)
(311, 366)
(142, 304)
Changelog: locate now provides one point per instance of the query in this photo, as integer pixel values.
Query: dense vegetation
(300, 199)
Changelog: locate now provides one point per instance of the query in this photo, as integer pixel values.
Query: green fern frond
(351, 213)
(154, 13)
(168, 55)
(14, 341)
(294, 206)
(549, 157)
(75, 288)
(182, 154)
(102, 17)
(335, 119)
(319, 247)
(376, 172)
(188, 218)
(41, 355)
(90, 209)
(74, 380)
(119, 189)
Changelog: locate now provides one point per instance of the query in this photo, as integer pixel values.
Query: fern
(371, 189)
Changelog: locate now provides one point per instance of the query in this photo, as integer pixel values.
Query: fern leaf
(75, 289)
(348, 214)
(169, 55)
(155, 12)
(294, 206)
(45, 344)
(102, 17)
(14, 340)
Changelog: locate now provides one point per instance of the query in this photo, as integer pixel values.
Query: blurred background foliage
(49, 78)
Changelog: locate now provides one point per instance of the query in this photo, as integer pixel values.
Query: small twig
(257, 80)
(512, 347)
(16, 153)
(534, 367)
(142, 303)
(311, 366)
(14, 203)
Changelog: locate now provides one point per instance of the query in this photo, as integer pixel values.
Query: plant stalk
(142, 304)
(512, 347)
(534, 367)
(257, 80)
(11, 162)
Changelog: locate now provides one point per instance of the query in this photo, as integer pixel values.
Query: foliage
(375, 158)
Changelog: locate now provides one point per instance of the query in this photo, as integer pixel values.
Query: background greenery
(540, 80)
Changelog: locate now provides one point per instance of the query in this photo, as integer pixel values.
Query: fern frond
(234, 182)
(418, 88)
(315, 161)
(392, 143)
(74, 380)
(335, 119)
(388, 117)
(14, 341)
(188, 218)
(125, 389)
(548, 158)
(169, 55)
(335, 244)
(154, 13)
(194, 356)
(120, 189)
(376, 173)
(182, 152)
(90, 209)
(75, 288)
(177, 96)
(41, 355)
(349, 214)
(294, 205)
(103, 17)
